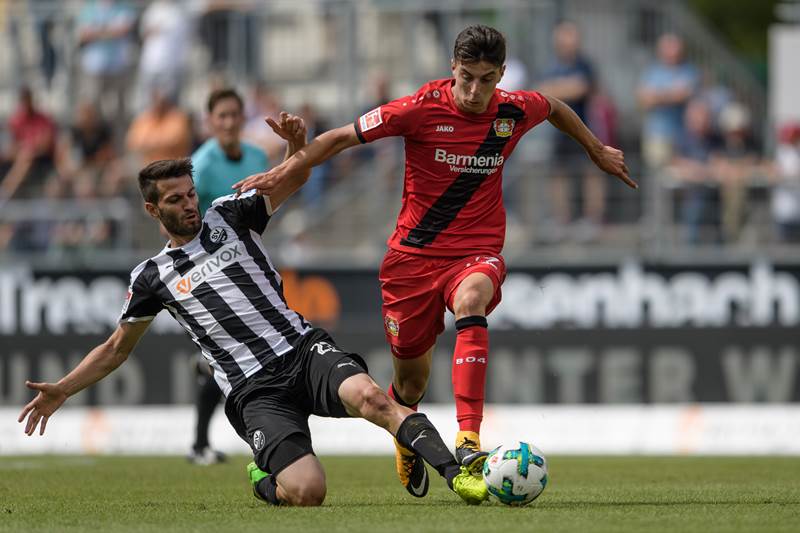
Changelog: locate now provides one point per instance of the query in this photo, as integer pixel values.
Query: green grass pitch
(621, 494)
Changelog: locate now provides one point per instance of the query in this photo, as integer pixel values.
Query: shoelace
(468, 443)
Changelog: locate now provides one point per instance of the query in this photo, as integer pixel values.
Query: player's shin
(469, 371)
(416, 433)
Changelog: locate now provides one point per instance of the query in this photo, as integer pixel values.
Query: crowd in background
(698, 140)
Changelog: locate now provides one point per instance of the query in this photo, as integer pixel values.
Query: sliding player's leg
(301, 482)
(362, 397)
(274, 422)
(409, 382)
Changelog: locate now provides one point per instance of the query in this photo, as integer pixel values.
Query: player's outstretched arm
(607, 158)
(316, 152)
(292, 129)
(95, 366)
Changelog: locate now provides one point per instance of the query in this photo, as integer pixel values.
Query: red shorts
(416, 290)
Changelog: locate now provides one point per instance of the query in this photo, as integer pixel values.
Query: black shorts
(270, 412)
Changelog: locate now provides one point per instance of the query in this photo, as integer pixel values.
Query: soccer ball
(515, 473)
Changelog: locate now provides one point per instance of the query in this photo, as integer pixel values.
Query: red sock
(394, 396)
(469, 371)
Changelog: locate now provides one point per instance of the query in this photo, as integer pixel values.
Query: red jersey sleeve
(397, 118)
(537, 108)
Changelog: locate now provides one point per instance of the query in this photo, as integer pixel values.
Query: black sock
(417, 434)
(396, 397)
(267, 488)
(208, 395)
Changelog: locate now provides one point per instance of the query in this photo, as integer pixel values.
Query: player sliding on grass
(215, 278)
(445, 250)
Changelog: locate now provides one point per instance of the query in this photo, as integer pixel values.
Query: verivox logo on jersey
(211, 265)
(370, 120)
(504, 127)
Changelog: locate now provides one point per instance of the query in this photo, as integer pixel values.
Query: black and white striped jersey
(223, 290)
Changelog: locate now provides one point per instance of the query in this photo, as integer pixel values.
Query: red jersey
(452, 194)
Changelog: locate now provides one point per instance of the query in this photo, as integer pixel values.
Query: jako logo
(445, 129)
(212, 265)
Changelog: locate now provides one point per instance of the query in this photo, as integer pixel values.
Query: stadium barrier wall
(625, 334)
(569, 429)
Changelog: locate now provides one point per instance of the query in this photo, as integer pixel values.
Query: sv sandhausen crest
(504, 127)
(218, 235)
(259, 440)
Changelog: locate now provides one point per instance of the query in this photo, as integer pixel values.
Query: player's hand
(263, 182)
(290, 128)
(50, 398)
(612, 161)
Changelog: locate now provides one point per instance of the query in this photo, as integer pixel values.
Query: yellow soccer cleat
(470, 488)
(411, 471)
(468, 452)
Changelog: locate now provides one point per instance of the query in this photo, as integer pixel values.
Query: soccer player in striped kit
(215, 278)
(444, 253)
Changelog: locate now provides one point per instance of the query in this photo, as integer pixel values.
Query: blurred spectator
(88, 159)
(385, 156)
(105, 35)
(262, 104)
(735, 163)
(378, 93)
(10, 21)
(45, 13)
(571, 78)
(715, 94)
(663, 92)
(786, 194)
(163, 131)
(515, 78)
(28, 171)
(602, 117)
(691, 166)
(164, 29)
(232, 32)
(31, 157)
(313, 191)
(224, 159)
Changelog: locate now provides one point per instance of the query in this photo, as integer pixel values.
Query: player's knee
(307, 495)
(469, 303)
(374, 401)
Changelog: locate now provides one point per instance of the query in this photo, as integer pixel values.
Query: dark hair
(480, 43)
(222, 94)
(161, 170)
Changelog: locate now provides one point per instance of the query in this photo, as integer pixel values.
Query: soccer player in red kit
(445, 251)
